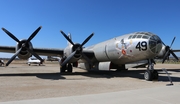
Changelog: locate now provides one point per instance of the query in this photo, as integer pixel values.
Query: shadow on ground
(138, 74)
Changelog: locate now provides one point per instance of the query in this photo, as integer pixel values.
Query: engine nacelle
(24, 53)
(70, 49)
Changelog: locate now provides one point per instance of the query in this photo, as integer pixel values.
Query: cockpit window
(139, 36)
(130, 36)
(149, 34)
(134, 36)
(145, 37)
(155, 44)
(154, 38)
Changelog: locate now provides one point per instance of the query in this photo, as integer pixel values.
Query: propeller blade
(169, 51)
(163, 43)
(172, 41)
(67, 37)
(33, 34)
(36, 55)
(11, 35)
(13, 57)
(174, 55)
(165, 56)
(87, 39)
(68, 58)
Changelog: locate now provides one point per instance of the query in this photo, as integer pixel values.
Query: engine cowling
(24, 47)
(75, 51)
(24, 53)
(70, 49)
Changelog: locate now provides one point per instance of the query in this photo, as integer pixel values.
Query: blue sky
(106, 18)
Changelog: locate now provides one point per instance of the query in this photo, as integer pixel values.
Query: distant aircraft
(1, 62)
(116, 53)
(34, 61)
(51, 58)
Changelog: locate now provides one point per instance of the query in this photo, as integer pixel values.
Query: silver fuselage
(128, 48)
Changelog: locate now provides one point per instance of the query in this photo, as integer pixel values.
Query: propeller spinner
(77, 50)
(24, 45)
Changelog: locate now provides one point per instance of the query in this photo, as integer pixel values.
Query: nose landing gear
(151, 74)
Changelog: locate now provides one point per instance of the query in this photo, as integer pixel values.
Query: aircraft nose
(155, 44)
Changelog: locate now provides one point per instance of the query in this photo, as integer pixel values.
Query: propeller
(24, 45)
(169, 51)
(78, 49)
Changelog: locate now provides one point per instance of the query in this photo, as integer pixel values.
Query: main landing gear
(151, 74)
(66, 68)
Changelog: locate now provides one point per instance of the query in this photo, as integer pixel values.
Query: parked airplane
(34, 61)
(115, 53)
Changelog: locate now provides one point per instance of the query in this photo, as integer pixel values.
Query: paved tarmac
(158, 95)
(20, 83)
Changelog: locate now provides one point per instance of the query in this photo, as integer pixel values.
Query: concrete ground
(20, 83)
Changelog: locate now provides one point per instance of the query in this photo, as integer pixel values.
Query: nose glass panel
(155, 44)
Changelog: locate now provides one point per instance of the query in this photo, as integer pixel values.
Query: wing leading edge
(39, 51)
(45, 51)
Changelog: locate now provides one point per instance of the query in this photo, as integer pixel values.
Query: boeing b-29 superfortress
(116, 53)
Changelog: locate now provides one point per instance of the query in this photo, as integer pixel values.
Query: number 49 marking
(142, 46)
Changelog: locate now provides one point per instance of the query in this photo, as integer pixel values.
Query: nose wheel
(151, 74)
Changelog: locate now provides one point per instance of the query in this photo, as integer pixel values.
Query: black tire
(148, 75)
(69, 68)
(75, 64)
(62, 69)
(155, 75)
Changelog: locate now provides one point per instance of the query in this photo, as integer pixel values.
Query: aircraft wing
(8, 49)
(48, 51)
(176, 50)
(88, 55)
(39, 51)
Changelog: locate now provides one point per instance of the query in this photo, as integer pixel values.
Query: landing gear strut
(151, 74)
(67, 67)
